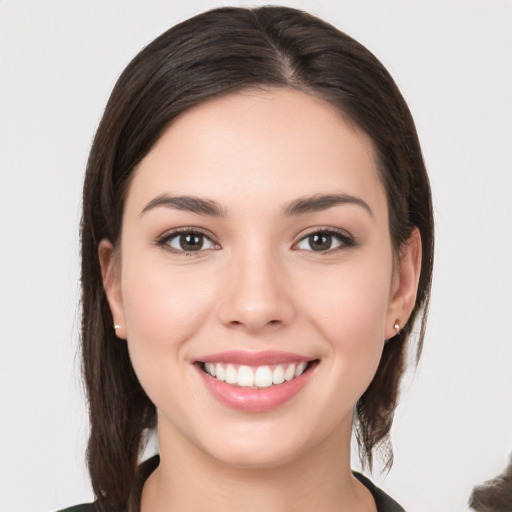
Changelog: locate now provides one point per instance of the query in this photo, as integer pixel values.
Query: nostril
(254, 325)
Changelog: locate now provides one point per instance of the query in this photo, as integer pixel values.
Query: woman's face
(255, 246)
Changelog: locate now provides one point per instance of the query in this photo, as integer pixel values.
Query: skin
(258, 285)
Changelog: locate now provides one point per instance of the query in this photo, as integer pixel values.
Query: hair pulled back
(214, 53)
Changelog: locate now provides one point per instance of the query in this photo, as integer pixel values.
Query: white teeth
(260, 377)
(231, 374)
(290, 372)
(245, 376)
(300, 369)
(220, 373)
(278, 375)
(263, 377)
(210, 368)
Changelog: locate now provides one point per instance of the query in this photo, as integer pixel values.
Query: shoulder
(384, 502)
(84, 507)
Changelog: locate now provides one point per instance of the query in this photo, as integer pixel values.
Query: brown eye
(325, 241)
(320, 242)
(189, 241)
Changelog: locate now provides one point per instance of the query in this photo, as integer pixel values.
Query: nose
(256, 294)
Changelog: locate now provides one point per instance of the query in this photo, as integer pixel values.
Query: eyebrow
(321, 202)
(191, 204)
(209, 207)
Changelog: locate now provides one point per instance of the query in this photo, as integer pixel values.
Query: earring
(116, 326)
(397, 327)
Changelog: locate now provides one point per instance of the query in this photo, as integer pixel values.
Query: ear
(404, 287)
(110, 274)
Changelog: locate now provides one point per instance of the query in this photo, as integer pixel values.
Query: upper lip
(243, 357)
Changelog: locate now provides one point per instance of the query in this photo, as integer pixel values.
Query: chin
(257, 457)
(264, 444)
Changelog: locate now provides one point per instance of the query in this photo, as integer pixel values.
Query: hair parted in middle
(216, 53)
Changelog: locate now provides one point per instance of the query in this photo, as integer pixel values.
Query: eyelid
(162, 240)
(347, 240)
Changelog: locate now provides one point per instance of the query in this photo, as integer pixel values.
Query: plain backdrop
(453, 63)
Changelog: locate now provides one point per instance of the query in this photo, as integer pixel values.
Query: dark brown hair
(218, 52)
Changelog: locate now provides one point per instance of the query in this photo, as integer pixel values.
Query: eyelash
(164, 240)
(345, 240)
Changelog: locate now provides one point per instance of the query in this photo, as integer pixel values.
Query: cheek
(163, 312)
(349, 310)
(352, 297)
(163, 303)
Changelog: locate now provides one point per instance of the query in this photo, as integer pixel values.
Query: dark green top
(382, 500)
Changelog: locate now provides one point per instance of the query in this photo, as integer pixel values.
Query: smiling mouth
(257, 377)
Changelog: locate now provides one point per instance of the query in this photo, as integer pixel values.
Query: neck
(320, 479)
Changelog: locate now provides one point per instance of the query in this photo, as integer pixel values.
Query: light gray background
(452, 60)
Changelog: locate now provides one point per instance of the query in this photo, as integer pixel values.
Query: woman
(257, 243)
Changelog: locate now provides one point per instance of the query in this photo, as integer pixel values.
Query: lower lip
(255, 400)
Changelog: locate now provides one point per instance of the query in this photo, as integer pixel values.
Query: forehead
(274, 145)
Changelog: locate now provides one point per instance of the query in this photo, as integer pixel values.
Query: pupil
(320, 242)
(191, 242)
